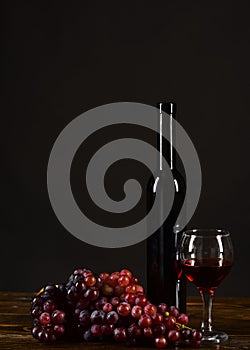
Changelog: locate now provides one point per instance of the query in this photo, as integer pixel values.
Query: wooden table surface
(230, 314)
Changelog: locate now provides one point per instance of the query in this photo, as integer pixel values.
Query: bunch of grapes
(107, 307)
(48, 310)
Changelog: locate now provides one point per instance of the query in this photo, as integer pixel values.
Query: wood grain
(230, 314)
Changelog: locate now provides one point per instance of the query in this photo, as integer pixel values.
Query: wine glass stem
(206, 325)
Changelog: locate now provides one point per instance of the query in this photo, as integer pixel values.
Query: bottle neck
(166, 132)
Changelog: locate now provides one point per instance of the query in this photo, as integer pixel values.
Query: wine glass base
(214, 336)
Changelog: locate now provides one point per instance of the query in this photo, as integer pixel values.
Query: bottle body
(165, 281)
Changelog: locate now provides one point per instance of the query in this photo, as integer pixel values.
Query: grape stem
(183, 326)
(40, 292)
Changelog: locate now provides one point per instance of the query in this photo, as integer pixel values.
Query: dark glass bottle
(165, 281)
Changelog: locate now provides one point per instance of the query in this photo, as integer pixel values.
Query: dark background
(61, 60)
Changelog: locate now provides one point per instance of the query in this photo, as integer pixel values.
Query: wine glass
(206, 258)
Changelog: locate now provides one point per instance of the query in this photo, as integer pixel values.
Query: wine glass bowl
(206, 258)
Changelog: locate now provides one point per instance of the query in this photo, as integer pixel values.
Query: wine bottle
(165, 281)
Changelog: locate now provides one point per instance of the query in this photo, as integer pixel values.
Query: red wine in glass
(206, 273)
(206, 258)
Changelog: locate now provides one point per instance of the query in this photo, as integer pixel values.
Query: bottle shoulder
(160, 178)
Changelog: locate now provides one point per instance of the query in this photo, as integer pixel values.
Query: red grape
(173, 311)
(195, 338)
(98, 283)
(38, 301)
(131, 288)
(161, 342)
(35, 331)
(115, 301)
(134, 280)
(182, 319)
(147, 332)
(107, 289)
(43, 336)
(52, 336)
(122, 296)
(126, 272)
(139, 289)
(170, 322)
(159, 330)
(90, 281)
(36, 312)
(185, 333)
(58, 317)
(141, 300)
(49, 306)
(97, 316)
(119, 290)
(195, 335)
(44, 318)
(130, 298)
(59, 329)
(157, 318)
(102, 301)
(104, 276)
(120, 334)
(173, 335)
(113, 278)
(78, 271)
(124, 309)
(84, 318)
(91, 294)
(150, 309)
(107, 307)
(96, 330)
(162, 308)
(80, 286)
(107, 329)
(87, 272)
(123, 281)
(112, 317)
(145, 321)
(136, 311)
(134, 331)
(88, 336)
